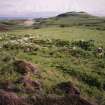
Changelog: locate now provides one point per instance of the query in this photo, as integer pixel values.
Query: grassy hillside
(75, 19)
(61, 53)
(63, 20)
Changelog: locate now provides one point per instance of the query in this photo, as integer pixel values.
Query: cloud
(24, 7)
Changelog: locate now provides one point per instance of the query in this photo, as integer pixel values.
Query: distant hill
(68, 19)
(75, 19)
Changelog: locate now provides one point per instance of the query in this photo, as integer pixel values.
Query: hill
(75, 19)
(68, 19)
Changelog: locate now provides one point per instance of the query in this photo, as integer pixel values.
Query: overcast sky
(29, 7)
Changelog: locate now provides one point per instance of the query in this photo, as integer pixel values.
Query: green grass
(71, 34)
(57, 62)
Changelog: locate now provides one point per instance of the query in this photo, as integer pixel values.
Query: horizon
(49, 8)
(41, 15)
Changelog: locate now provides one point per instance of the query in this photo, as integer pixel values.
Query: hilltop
(70, 19)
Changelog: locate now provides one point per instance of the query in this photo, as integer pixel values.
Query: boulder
(10, 98)
(25, 67)
(68, 88)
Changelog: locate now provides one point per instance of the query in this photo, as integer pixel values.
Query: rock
(76, 100)
(8, 86)
(37, 98)
(10, 98)
(59, 100)
(30, 85)
(28, 49)
(25, 67)
(68, 88)
(100, 52)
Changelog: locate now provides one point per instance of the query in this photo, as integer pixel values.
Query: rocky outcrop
(71, 100)
(27, 70)
(9, 98)
(59, 100)
(26, 85)
(68, 88)
(25, 67)
(72, 96)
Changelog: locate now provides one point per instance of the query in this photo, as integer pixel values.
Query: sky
(35, 7)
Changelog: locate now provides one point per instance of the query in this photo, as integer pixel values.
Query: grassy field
(57, 64)
(70, 34)
(61, 53)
